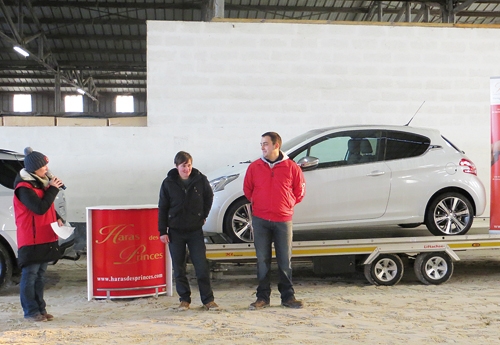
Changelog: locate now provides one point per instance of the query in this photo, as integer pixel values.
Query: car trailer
(381, 258)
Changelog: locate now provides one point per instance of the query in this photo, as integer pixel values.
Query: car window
(405, 145)
(345, 148)
(8, 172)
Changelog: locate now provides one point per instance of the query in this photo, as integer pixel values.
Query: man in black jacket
(185, 201)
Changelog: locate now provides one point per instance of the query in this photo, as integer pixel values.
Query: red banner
(127, 259)
(495, 155)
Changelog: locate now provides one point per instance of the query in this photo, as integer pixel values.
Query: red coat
(36, 240)
(274, 191)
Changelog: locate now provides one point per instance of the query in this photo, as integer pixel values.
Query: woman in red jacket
(37, 244)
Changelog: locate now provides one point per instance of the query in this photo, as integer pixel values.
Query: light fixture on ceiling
(21, 51)
(80, 91)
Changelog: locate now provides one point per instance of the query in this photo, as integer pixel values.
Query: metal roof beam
(98, 85)
(73, 64)
(97, 37)
(89, 21)
(17, 37)
(99, 51)
(182, 5)
(118, 78)
(357, 10)
(463, 6)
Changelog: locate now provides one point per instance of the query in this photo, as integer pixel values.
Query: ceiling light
(80, 91)
(21, 51)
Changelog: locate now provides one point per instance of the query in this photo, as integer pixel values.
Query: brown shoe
(258, 304)
(183, 306)
(292, 303)
(211, 306)
(48, 316)
(36, 318)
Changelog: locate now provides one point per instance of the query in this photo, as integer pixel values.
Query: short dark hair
(182, 157)
(275, 138)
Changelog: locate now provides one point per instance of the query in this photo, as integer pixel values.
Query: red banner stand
(125, 257)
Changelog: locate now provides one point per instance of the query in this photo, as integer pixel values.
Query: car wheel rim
(386, 270)
(452, 215)
(436, 268)
(242, 223)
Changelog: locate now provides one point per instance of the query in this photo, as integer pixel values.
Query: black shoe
(292, 303)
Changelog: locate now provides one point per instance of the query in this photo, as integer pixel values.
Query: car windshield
(301, 139)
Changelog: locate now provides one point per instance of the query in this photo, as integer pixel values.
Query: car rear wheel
(449, 214)
(238, 221)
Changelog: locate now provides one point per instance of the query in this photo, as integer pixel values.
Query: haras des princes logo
(128, 245)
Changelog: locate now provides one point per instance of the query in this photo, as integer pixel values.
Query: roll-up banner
(495, 153)
(125, 257)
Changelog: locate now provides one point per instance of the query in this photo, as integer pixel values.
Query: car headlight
(219, 183)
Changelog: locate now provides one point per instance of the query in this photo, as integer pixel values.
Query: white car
(10, 164)
(364, 176)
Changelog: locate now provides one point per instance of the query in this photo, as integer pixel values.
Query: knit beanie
(34, 160)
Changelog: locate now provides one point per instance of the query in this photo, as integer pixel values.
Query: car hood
(229, 170)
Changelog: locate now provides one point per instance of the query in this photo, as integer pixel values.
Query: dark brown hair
(182, 157)
(275, 138)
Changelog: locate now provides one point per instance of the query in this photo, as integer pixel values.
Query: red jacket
(274, 189)
(32, 228)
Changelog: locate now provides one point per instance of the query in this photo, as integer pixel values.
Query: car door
(348, 184)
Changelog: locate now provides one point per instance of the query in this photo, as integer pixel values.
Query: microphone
(50, 175)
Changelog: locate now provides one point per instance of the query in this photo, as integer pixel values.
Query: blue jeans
(31, 289)
(265, 233)
(195, 242)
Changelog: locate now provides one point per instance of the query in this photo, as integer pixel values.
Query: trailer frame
(381, 258)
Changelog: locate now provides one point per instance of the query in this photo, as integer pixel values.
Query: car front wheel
(449, 214)
(6, 266)
(238, 221)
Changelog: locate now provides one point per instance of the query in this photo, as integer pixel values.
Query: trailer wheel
(433, 268)
(386, 269)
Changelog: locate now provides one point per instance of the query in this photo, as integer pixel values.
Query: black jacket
(184, 208)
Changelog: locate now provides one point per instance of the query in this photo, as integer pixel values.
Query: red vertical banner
(495, 155)
(125, 255)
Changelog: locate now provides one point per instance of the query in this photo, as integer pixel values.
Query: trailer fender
(428, 248)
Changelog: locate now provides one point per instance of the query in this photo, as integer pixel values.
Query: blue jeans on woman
(195, 242)
(31, 286)
(265, 233)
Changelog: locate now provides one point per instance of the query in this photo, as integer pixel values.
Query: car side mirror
(308, 163)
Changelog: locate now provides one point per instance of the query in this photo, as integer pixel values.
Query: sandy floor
(339, 310)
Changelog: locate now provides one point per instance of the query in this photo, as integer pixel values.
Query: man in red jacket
(34, 197)
(273, 184)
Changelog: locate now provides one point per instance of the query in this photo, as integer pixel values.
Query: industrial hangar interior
(98, 48)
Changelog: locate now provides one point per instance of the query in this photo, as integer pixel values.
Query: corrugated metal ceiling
(101, 45)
